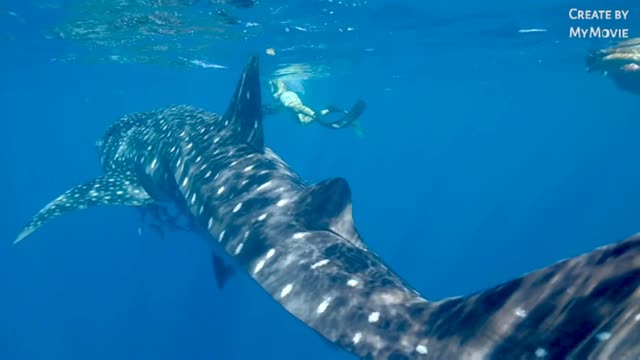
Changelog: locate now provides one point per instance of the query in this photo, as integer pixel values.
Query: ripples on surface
(199, 33)
(315, 38)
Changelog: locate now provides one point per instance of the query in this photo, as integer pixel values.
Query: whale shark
(298, 241)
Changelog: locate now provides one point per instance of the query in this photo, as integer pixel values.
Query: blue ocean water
(487, 153)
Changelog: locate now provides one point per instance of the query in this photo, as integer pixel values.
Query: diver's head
(277, 87)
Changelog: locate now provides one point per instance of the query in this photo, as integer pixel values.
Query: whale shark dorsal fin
(244, 115)
(327, 206)
(110, 189)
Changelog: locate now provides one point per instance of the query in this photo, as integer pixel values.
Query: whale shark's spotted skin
(298, 241)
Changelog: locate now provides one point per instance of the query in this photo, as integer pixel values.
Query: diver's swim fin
(348, 119)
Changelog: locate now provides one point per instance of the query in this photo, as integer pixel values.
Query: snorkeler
(303, 114)
(621, 63)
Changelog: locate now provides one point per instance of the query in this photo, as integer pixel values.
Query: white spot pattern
(286, 290)
(374, 317)
(422, 349)
(540, 352)
(238, 249)
(265, 185)
(320, 263)
(270, 253)
(259, 266)
(323, 305)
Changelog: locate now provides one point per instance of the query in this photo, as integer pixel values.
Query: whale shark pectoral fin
(110, 189)
(244, 114)
(327, 206)
(222, 271)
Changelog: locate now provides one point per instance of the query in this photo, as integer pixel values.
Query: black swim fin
(349, 117)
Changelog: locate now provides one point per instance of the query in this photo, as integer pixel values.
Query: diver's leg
(305, 119)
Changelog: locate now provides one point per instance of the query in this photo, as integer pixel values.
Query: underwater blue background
(485, 156)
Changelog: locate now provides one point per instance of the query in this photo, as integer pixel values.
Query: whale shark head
(298, 241)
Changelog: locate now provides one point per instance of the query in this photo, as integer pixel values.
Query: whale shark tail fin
(110, 189)
(579, 308)
(244, 114)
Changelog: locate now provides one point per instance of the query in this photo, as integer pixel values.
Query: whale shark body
(299, 243)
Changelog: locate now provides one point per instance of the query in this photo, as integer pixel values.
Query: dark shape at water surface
(299, 243)
(236, 3)
(621, 63)
(227, 18)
